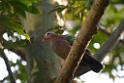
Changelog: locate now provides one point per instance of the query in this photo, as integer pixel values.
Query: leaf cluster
(12, 13)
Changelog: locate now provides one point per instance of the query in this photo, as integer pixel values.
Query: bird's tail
(95, 65)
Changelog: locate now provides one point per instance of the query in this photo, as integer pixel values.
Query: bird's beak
(43, 39)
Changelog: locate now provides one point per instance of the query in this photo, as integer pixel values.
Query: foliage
(75, 12)
(11, 14)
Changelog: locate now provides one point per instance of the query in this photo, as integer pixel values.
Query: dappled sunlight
(3, 70)
(92, 77)
(96, 45)
(12, 56)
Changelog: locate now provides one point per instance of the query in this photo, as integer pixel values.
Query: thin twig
(103, 29)
(108, 33)
(5, 78)
(12, 78)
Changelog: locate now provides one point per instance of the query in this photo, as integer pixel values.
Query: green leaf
(29, 2)
(33, 9)
(27, 36)
(11, 25)
(22, 74)
(59, 8)
(57, 29)
(19, 7)
(12, 45)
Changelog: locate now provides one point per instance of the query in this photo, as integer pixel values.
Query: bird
(61, 45)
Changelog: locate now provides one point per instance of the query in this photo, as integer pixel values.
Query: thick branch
(110, 43)
(12, 78)
(85, 34)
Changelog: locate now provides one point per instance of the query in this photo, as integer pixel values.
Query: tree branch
(5, 78)
(119, 30)
(85, 34)
(12, 78)
(108, 33)
(110, 43)
(102, 29)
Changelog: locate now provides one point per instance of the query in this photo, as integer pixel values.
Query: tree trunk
(43, 64)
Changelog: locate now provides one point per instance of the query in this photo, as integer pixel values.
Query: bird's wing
(69, 38)
(61, 47)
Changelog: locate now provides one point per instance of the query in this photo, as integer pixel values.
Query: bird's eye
(47, 34)
(50, 34)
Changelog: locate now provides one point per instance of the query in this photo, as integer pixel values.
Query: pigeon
(61, 45)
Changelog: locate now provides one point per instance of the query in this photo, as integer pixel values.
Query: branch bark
(85, 34)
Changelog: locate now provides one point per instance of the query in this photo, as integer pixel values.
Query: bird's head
(49, 36)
